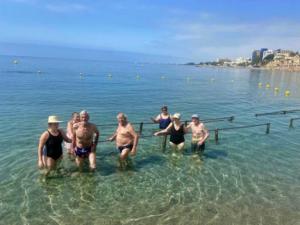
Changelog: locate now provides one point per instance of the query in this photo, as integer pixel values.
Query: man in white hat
(50, 149)
(199, 134)
(85, 141)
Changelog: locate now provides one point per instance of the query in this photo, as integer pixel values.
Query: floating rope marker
(15, 61)
(268, 85)
(287, 93)
(259, 84)
(276, 89)
(109, 75)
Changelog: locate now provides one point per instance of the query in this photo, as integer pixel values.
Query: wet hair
(123, 115)
(83, 112)
(164, 108)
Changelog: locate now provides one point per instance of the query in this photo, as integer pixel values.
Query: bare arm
(96, 138)
(113, 137)
(135, 139)
(187, 128)
(66, 139)
(156, 119)
(44, 137)
(206, 135)
(165, 131)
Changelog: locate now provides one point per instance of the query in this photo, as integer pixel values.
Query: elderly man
(126, 138)
(85, 141)
(199, 134)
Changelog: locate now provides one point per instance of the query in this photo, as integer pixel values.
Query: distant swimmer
(85, 141)
(177, 130)
(164, 118)
(50, 145)
(74, 119)
(199, 134)
(126, 138)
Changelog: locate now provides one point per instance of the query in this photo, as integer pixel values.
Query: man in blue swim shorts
(85, 141)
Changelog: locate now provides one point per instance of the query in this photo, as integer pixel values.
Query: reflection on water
(248, 178)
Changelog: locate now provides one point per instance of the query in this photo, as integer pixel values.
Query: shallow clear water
(248, 178)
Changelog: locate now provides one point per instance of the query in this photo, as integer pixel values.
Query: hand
(156, 133)
(200, 143)
(40, 164)
(133, 152)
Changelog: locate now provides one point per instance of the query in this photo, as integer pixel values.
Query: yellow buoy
(259, 84)
(287, 93)
(268, 85)
(276, 89)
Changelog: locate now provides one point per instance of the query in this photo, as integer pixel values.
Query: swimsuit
(177, 136)
(164, 123)
(196, 147)
(83, 152)
(122, 147)
(53, 146)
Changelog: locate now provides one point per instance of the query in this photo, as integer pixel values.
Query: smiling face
(121, 119)
(53, 126)
(164, 110)
(84, 117)
(195, 120)
(76, 118)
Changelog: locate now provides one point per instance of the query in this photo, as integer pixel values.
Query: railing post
(291, 123)
(216, 136)
(164, 142)
(185, 123)
(268, 128)
(141, 128)
(231, 119)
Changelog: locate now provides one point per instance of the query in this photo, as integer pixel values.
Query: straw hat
(54, 119)
(177, 115)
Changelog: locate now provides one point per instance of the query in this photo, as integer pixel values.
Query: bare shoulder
(45, 135)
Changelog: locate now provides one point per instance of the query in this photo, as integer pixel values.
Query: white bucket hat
(54, 119)
(177, 116)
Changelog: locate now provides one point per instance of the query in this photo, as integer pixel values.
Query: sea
(250, 176)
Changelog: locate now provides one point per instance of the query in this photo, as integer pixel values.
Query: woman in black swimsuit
(50, 142)
(177, 130)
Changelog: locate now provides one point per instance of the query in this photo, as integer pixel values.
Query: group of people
(82, 138)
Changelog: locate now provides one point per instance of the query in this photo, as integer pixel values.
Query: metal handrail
(278, 112)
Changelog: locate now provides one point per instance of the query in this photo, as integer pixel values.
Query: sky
(192, 29)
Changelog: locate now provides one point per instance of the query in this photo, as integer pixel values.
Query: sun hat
(177, 115)
(195, 116)
(54, 119)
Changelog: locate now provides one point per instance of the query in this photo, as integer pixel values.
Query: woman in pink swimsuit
(74, 119)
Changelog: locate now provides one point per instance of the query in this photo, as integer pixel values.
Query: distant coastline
(284, 60)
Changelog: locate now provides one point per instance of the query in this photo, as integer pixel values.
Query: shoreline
(283, 69)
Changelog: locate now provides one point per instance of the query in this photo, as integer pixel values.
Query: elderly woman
(51, 143)
(164, 118)
(177, 130)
